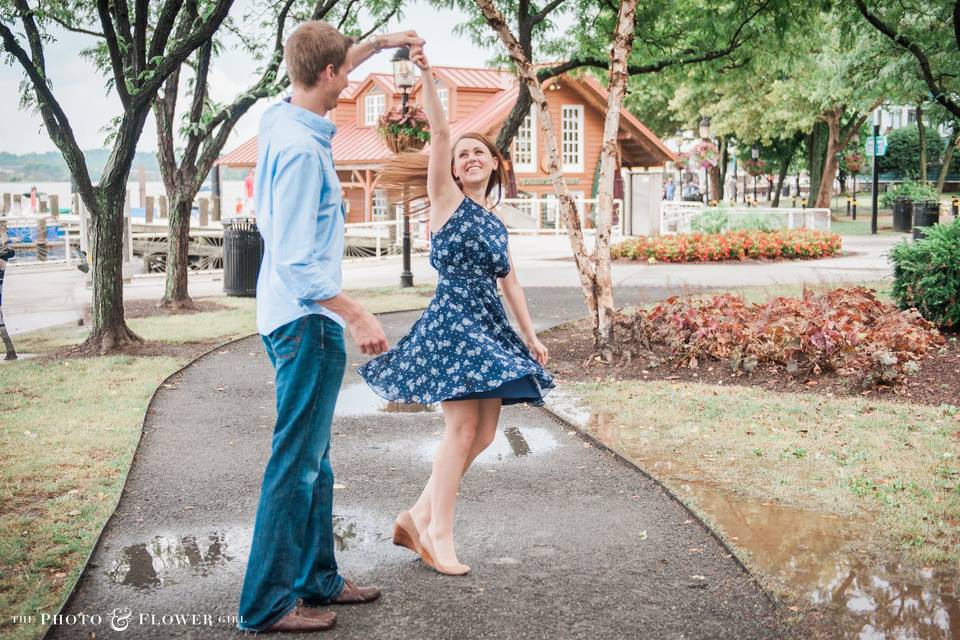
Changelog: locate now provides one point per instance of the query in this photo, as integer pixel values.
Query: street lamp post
(705, 136)
(876, 177)
(404, 77)
(755, 154)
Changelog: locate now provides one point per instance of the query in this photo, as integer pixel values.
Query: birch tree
(594, 269)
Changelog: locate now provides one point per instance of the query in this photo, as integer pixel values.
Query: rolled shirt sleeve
(302, 263)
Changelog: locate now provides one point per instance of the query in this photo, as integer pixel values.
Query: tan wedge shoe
(405, 533)
(428, 556)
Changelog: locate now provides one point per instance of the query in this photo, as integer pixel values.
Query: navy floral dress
(463, 346)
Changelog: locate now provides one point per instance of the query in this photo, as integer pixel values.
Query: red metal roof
(353, 145)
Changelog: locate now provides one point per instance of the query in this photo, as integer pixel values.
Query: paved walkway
(38, 298)
(565, 540)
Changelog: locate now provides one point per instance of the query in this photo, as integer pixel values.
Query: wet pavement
(565, 540)
(812, 554)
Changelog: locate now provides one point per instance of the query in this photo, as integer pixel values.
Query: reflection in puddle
(807, 550)
(349, 534)
(164, 559)
(148, 565)
(360, 400)
(507, 444)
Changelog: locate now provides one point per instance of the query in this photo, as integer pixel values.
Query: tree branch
(903, 41)
(122, 18)
(182, 51)
(140, 12)
(541, 16)
(161, 32)
(116, 60)
(54, 119)
(346, 15)
(69, 27)
(379, 24)
(33, 35)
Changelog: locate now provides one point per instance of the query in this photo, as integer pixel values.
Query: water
(813, 553)
(230, 192)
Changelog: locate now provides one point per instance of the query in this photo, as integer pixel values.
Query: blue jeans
(292, 553)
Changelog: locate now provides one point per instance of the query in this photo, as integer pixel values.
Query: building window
(571, 127)
(445, 102)
(380, 206)
(374, 105)
(525, 144)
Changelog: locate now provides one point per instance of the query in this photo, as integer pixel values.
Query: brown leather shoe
(304, 620)
(352, 594)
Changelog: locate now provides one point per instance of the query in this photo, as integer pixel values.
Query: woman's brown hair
(404, 175)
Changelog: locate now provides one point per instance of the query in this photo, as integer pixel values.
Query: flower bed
(847, 331)
(742, 244)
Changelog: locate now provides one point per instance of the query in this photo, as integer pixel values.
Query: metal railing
(543, 215)
(678, 217)
(41, 240)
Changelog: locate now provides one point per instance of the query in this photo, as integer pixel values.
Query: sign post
(873, 148)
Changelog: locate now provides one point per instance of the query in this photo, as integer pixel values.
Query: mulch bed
(572, 359)
(150, 308)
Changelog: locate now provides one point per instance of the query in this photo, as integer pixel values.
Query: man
(300, 316)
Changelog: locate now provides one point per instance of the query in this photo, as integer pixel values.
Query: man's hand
(367, 333)
(403, 39)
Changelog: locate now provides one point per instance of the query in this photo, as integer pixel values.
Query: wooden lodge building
(480, 100)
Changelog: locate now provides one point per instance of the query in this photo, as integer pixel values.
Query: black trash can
(242, 253)
(925, 214)
(902, 213)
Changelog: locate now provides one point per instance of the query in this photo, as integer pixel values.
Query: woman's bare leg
(485, 433)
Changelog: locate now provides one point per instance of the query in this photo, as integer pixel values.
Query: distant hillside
(50, 166)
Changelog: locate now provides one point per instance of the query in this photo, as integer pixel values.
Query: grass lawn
(68, 431)
(893, 465)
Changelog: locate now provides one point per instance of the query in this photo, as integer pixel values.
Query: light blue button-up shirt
(300, 215)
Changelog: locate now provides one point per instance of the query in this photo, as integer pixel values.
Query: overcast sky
(79, 86)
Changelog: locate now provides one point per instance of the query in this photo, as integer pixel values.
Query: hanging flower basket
(405, 131)
(707, 153)
(754, 168)
(854, 162)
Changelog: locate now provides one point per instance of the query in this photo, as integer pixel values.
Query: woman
(462, 352)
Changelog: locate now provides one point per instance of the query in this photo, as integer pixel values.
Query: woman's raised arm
(445, 196)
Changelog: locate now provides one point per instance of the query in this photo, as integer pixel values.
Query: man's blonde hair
(310, 48)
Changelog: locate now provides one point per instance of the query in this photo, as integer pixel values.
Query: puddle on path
(810, 552)
(360, 400)
(152, 564)
(509, 443)
(167, 560)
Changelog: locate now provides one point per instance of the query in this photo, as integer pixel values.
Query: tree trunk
(816, 152)
(785, 162)
(921, 130)
(827, 176)
(514, 120)
(947, 158)
(724, 161)
(594, 271)
(109, 331)
(175, 295)
(622, 44)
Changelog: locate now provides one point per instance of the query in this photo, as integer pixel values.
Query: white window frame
(374, 104)
(379, 205)
(571, 113)
(529, 122)
(444, 94)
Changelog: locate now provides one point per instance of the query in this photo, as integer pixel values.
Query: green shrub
(718, 220)
(916, 191)
(926, 274)
(903, 152)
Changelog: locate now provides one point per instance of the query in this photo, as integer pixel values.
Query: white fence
(543, 215)
(678, 217)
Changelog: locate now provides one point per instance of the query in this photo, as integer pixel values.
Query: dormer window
(444, 94)
(373, 106)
